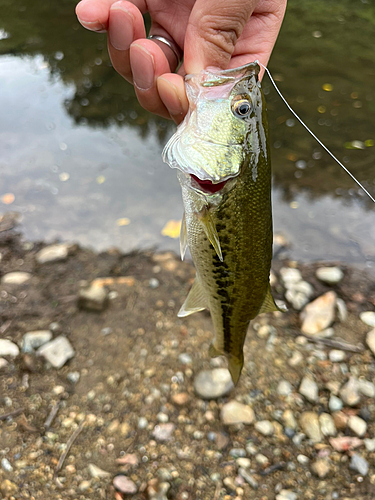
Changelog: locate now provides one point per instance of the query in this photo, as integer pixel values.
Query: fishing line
(312, 133)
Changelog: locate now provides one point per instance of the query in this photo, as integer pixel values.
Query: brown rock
(321, 468)
(340, 419)
(180, 399)
(222, 441)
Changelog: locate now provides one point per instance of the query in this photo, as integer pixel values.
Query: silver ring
(171, 44)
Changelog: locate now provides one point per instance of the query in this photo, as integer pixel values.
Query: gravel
(213, 384)
(265, 427)
(309, 389)
(310, 425)
(357, 425)
(236, 413)
(349, 393)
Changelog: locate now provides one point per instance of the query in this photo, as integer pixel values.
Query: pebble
(162, 417)
(53, 253)
(357, 425)
(6, 465)
(124, 485)
(8, 488)
(310, 425)
(3, 363)
(335, 403)
(265, 331)
(309, 389)
(8, 348)
(265, 427)
(229, 484)
(345, 443)
(327, 425)
(370, 340)
(261, 459)
(185, 359)
(84, 485)
(370, 444)
(15, 278)
(321, 468)
(33, 340)
(368, 317)
(73, 377)
(303, 459)
(342, 311)
(181, 398)
(349, 393)
(236, 413)
(341, 420)
(243, 462)
(290, 275)
(286, 495)
(336, 355)
(163, 432)
(359, 464)
(96, 471)
(367, 388)
(57, 352)
(237, 452)
(289, 419)
(329, 275)
(284, 388)
(142, 423)
(154, 283)
(213, 384)
(93, 298)
(298, 294)
(248, 478)
(319, 314)
(296, 359)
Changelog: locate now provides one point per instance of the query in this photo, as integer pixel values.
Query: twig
(12, 413)
(217, 491)
(336, 343)
(71, 440)
(51, 416)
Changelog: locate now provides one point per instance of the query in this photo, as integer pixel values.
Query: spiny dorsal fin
(195, 301)
(269, 303)
(183, 237)
(210, 230)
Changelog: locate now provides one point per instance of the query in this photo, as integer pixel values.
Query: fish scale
(229, 232)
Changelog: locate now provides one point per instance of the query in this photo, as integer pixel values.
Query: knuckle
(222, 31)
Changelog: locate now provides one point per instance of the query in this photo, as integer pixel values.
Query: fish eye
(242, 108)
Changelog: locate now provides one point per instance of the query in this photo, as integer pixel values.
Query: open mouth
(208, 186)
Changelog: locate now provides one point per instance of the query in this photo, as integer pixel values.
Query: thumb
(212, 32)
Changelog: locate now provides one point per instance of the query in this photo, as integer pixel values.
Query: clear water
(78, 153)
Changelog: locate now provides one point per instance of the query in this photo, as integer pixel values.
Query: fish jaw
(212, 141)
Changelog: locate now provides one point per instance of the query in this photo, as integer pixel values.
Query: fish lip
(207, 186)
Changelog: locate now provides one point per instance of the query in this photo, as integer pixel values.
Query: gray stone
(163, 432)
(265, 427)
(53, 253)
(327, 425)
(96, 471)
(6, 465)
(329, 275)
(248, 478)
(57, 352)
(185, 359)
(286, 495)
(349, 393)
(73, 377)
(237, 452)
(236, 413)
(124, 485)
(370, 340)
(298, 294)
(336, 355)
(309, 422)
(284, 388)
(153, 283)
(359, 464)
(93, 298)
(370, 444)
(15, 278)
(303, 459)
(309, 389)
(357, 425)
(321, 468)
(342, 311)
(33, 340)
(368, 317)
(142, 423)
(319, 314)
(290, 275)
(8, 348)
(335, 403)
(367, 388)
(213, 384)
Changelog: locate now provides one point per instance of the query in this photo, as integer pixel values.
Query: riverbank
(111, 384)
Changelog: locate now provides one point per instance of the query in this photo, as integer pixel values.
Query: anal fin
(195, 301)
(183, 237)
(269, 303)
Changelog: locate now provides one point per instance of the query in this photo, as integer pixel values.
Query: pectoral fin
(183, 237)
(211, 233)
(269, 303)
(195, 301)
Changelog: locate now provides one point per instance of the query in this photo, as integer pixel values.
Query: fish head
(217, 134)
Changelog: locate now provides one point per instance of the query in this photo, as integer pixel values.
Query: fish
(222, 157)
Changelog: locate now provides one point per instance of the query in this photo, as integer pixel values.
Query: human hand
(216, 33)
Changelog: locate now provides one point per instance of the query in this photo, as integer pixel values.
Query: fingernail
(121, 27)
(142, 64)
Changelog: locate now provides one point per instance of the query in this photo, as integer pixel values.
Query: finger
(125, 25)
(213, 30)
(173, 55)
(94, 14)
(148, 62)
(172, 93)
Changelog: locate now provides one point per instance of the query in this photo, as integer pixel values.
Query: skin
(211, 33)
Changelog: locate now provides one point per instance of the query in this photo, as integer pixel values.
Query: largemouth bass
(223, 161)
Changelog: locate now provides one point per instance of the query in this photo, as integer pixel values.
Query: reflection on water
(79, 154)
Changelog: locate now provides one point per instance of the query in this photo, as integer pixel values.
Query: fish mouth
(207, 186)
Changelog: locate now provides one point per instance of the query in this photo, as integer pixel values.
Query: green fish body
(223, 161)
